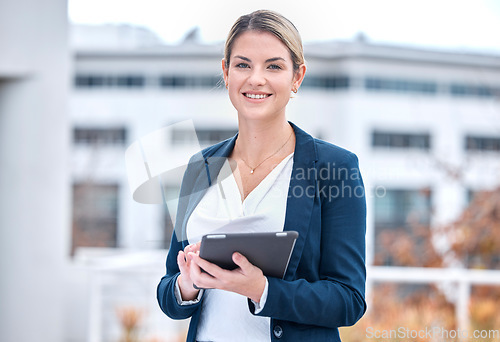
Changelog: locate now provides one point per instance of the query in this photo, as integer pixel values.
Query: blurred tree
(475, 236)
(398, 311)
(473, 241)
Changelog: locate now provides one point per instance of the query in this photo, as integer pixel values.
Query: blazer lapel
(301, 194)
(207, 168)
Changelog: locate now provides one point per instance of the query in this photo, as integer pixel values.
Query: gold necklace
(252, 169)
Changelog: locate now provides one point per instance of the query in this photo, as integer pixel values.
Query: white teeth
(255, 96)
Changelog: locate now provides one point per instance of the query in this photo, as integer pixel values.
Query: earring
(227, 85)
(295, 90)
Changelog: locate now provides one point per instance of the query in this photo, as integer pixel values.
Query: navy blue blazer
(324, 285)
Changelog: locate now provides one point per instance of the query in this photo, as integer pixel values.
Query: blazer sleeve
(165, 292)
(333, 295)
(166, 288)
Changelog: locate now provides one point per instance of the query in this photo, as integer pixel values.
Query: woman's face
(260, 76)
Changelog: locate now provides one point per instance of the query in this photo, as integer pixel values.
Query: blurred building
(425, 124)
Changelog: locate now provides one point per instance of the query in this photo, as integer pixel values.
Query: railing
(464, 278)
(151, 264)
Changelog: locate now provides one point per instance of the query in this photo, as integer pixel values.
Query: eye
(274, 67)
(242, 65)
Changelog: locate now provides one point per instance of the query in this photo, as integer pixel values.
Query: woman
(271, 176)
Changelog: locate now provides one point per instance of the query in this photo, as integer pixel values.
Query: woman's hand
(188, 292)
(247, 280)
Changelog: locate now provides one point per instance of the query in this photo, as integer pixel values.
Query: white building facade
(425, 125)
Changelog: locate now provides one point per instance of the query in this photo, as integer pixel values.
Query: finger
(196, 247)
(207, 266)
(181, 261)
(187, 249)
(192, 247)
(243, 263)
(200, 278)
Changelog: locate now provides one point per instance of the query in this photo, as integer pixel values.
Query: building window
(401, 140)
(400, 210)
(179, 81)
(473, 90)
(99, 81)
(90, 81)
(99, 136)
(326, 82)
(478, 143)
(331, 82)
(95, 215)
(400, 85)
(140, 81)
(205, 136)
(130, 81)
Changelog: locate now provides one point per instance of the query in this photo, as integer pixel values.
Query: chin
(257, 116)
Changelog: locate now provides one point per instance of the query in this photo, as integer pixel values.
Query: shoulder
(328, 153)
(338, 173)
(207, 159)
(198, 166)
(310, 148)
(220, 149)
(214, 149)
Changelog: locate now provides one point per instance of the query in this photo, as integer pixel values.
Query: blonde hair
(274, 23)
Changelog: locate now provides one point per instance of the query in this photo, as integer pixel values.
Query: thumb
(242, 261)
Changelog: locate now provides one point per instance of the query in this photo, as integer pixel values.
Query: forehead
(259, 44)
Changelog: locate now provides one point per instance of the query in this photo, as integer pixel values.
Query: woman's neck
(258, 140)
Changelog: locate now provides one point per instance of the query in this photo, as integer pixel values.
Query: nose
(256, 78)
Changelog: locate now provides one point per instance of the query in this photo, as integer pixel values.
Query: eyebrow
(274, 59)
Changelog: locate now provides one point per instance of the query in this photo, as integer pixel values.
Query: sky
(456, 24)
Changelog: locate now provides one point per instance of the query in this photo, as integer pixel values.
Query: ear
(299, 76)
(225, 70)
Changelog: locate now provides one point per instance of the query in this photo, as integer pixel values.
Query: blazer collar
(299, 203)
(302, 193)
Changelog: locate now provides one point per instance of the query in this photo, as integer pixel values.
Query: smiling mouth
(256, 96)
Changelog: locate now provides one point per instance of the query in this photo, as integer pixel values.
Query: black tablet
(270, 252)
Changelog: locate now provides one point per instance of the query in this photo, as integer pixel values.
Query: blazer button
(278, 331)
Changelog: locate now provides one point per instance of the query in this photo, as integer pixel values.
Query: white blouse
(225, 315)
